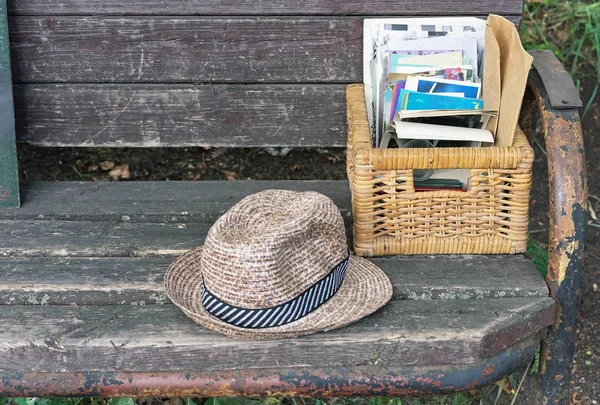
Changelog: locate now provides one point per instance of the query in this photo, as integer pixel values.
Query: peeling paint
(346, 381)
(565, 260)
(568, 228)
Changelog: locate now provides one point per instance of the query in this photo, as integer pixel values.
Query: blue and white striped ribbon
(311, 299)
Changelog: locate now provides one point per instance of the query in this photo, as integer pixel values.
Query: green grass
(538, 255)
(570, 29)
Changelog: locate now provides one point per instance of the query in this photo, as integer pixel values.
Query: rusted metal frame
(562, 93)
(368, 380)
(568, 231)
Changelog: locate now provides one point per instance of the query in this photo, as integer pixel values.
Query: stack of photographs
(422, 81)
(422, 64)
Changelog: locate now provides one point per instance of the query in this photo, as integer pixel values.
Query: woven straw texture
(390, 217)
(268, 249)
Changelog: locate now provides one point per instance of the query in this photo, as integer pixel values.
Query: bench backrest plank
(186, 73)
(272, 7)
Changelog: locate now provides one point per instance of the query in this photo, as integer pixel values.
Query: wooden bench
(81, 263)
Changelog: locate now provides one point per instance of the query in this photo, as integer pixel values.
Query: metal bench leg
(568, 231)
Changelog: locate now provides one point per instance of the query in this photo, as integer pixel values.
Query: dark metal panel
(366, 380)
(9, 176)
(558, 83)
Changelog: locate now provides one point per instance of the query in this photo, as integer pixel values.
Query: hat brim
(365, 289)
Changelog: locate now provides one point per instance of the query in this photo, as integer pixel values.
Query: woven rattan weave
(390, 217)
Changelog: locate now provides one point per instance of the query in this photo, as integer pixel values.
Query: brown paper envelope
(491, 83)
(514, 69)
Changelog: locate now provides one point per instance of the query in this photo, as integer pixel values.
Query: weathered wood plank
(181, 115)
(139, 281)
(82, 281)
(161, 338)
(252, 7)
(9, 176)
(120, 219)
(154, 201)
(104, 239)
(186, 49)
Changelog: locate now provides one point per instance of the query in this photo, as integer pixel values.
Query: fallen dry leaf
(107, 165)
(120, 172)
(231, 176)
(506, 388)
(93, 168)
(296, 167)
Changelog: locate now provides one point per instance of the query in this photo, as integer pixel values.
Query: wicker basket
(391, 218)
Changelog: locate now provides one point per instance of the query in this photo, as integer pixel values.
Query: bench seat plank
(76, 284)
(103, 243)
(252, 7)
(162, 338)
(154, 201)
(90, 239)
(139, 281)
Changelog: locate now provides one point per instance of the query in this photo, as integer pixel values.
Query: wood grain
(162, 338)
(154, 201)
(139, 281)
(91, 239)
(186, 49)
(250, 7)
(70, 221)
(181, 115)
(98, 49)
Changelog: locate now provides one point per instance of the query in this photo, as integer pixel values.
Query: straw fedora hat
(276, 265)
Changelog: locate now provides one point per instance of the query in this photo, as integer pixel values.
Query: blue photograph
(438, 86)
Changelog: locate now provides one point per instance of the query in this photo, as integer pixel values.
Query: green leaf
(535, 367)
(538, 255)
(121, 401)
(232, 401)
(18, 401)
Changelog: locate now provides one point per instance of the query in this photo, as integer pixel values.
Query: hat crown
(271, 247)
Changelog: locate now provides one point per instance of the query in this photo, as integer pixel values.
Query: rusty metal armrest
(554, 97)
